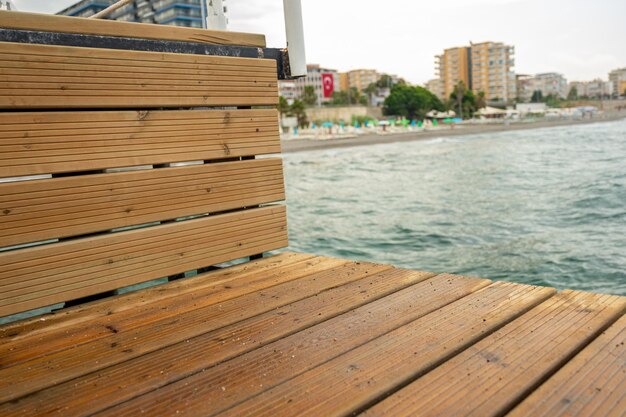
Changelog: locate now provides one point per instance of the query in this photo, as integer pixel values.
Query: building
(549, 83)
(592, 89)
(314, 78)
(435, 86)
(483, 67)
(618, 79)
(188, 13)
(86, 8)
(362, 78)
(492, 72)
(453, 67)
(287, 89)
(524, 87)
(344, 85)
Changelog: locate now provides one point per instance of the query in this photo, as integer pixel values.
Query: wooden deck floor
(299, 335)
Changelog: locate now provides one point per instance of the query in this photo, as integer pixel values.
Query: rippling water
(545, 206)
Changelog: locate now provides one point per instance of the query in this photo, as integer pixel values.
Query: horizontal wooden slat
(591, 384)
(45, 275)
(246, 81)
(348, 383)
(490, 377)
(25, 378)
(66, 24)
(34, 143)
(130, 312)
(54, 208)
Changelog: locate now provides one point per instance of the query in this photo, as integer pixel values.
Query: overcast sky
(583, 39)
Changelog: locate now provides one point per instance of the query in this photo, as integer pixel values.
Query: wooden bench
(106, 134)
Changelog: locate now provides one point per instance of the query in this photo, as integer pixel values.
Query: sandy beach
(300, 145)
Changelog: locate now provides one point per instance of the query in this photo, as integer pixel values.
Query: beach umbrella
(327, 124)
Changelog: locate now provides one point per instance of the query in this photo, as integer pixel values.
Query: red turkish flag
(328, 81)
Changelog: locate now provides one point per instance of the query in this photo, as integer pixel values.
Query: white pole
(295, 37)
(216, 19)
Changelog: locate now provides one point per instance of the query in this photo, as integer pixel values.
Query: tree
(298, 110)
(573, 94)
(410, 102)
(481, 100)
(283, 106)
(537, 97)
(309, 97)
(464, 101)
(370, 90)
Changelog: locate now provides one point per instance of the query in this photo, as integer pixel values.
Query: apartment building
(549, 83)
(618, 79)
(485, 66)
(491, 70)
(287, 89)
(453, 66)
(315, 78)
(188, 13)
(362, 78)
(435, 86)
(592, 89)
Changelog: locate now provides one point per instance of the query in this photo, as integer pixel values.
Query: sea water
(544, 206)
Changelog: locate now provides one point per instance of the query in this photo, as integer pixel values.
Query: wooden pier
(145, 143)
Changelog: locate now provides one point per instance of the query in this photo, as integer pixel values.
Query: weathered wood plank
(493, 375)
(54, 208)
(261, 369)
(34, 375)
(352, 381)
(45, 275)
(34, 143)
(91, 91)
(66, 24)
(590, 385)
(130, 312)
(35, 330)
(123, 381)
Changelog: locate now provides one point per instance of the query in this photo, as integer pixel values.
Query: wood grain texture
(493, 375)
(47, 76)
(593, 384)
(66, 24)
(47, 209)
(45, 275)
(121, 382)
(352, 381)
(133, 311)
(261, 369)
(34, 143)
(67, 318)
(120, 346)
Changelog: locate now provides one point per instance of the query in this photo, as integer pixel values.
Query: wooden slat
(78, 25)
(34, 143)
(249, 273)
(592, 384)
(352, 381)
(54, 208)
(136, 310)
(279, 361)
(45, 275)
(94, 88)
(489, 378)
(25, 378)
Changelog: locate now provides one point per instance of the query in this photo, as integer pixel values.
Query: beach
(300, 145)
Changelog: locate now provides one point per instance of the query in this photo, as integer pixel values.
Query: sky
(581, 39)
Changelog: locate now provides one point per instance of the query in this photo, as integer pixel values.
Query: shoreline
(302, 145)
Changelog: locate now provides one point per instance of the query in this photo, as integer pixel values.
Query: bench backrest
(106, 130)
